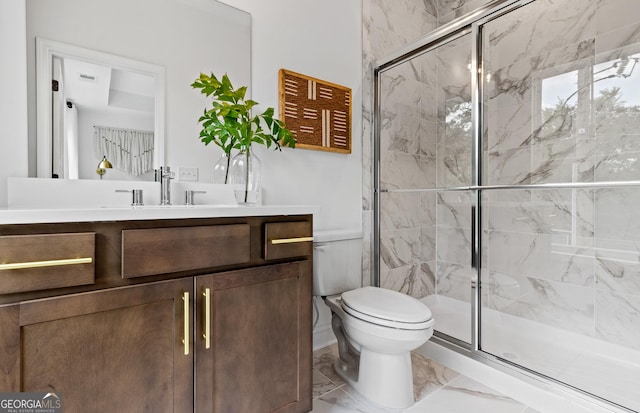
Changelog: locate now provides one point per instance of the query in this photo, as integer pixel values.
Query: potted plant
(230, 124)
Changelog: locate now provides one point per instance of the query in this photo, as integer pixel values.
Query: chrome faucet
(188, 196)
(165, 185)
(136, 200)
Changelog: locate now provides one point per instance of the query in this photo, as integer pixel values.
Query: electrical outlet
(187, 173)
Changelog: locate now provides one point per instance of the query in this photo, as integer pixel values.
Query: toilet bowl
(376, 328)
(376, 331)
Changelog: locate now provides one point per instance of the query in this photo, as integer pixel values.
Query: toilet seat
(387, 308)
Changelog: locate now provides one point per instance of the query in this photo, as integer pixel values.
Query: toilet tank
(337, 261)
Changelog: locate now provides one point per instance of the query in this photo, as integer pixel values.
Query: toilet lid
(387, 307)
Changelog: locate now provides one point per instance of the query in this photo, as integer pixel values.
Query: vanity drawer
(288, 240)
(46, 261)
(165, 250)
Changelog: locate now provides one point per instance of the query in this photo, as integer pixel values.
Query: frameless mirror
(149, 52)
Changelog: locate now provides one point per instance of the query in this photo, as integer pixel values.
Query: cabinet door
(259, 357)
(116, 350)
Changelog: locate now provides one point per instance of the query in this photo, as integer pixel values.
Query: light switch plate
(186, 173)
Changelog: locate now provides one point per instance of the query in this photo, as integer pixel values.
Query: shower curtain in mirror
(128, 150)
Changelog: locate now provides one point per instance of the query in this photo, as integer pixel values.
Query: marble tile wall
(408, 136)
(523, 145)
(388, 25)
(449, 10)
(561, 106)
(564, 110)
(421, 149)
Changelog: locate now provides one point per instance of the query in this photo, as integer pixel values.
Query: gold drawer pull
(185, 337)
(291, 240)
(41, 264)
(207, 318)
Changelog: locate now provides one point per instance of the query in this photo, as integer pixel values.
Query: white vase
(244, 174)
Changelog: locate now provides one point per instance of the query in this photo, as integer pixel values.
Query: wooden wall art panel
(317, 112)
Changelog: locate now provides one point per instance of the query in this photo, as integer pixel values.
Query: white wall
(318, 38)
(322, 39)
(13, 99)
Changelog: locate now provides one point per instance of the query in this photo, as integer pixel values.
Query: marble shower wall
(425, 141)
(564, 109)
(408, 161)
(388, 26)
(561, 106)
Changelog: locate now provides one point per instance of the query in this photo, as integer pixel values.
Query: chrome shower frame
(470, 24)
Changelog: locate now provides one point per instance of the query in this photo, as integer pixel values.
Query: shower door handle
(473, 237)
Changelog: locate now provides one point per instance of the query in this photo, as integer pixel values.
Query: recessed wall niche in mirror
(183, 37)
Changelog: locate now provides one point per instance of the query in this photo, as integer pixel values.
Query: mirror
(169, 41)
(92, 105)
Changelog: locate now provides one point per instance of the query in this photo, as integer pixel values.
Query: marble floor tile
(432, 381)
(321, 406)
(438, 389)
(321, 384)
(341, 399)
(428, 376)
(323, 362)
(464, 395)
(367, 405)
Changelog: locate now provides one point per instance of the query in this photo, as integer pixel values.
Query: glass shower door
(560, 273)
(425, 149)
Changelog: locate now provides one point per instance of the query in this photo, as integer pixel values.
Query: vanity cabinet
(112, 350)
(227, 333)
(253, 339)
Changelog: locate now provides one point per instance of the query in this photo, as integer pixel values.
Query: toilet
(376, 328)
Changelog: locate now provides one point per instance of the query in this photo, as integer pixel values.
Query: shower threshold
(605, 370)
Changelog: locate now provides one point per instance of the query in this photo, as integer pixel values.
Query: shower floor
(606, 370)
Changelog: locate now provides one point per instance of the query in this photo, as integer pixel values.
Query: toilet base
(385, 379)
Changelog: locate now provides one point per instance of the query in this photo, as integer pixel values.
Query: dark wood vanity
(162, 315)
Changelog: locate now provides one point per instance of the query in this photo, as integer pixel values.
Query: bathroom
(363, 34)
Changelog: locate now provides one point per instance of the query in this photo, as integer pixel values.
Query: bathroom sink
(169, 206)
(41, 193)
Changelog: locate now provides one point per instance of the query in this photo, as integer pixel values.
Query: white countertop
(32, 216)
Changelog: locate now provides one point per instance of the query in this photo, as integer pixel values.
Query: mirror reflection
(181, 37)
(99, 106)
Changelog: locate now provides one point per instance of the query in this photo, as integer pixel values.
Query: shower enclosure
(507, 187)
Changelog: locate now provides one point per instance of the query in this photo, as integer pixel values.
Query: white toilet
(376, 328)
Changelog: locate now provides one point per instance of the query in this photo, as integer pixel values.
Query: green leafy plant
(230, 123)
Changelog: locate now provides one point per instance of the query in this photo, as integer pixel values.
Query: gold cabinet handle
(185, 340)
(207, 318)
(41, 264)
(291, 240)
